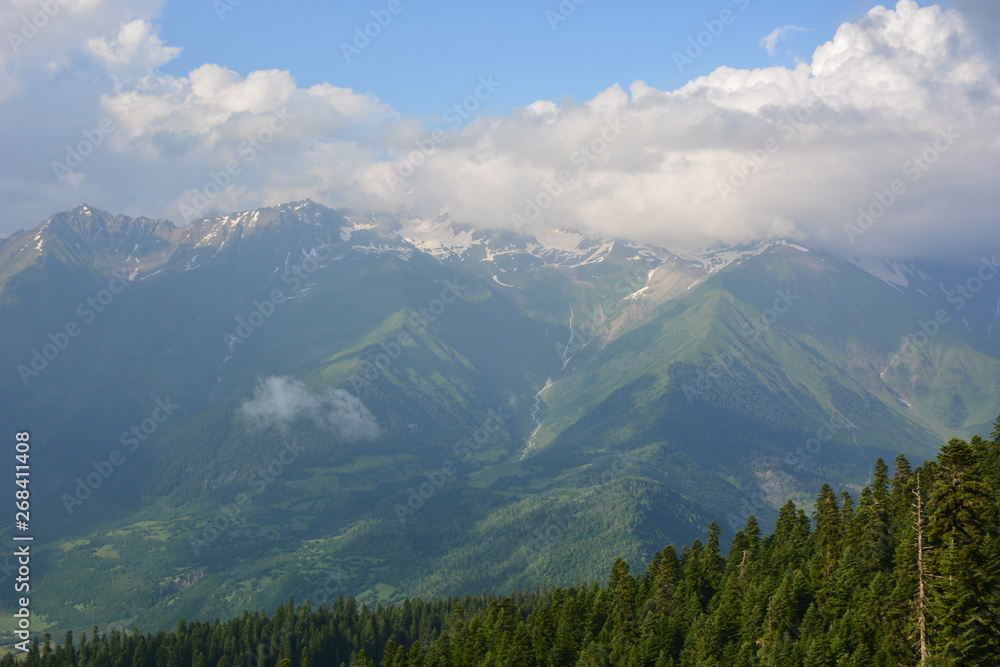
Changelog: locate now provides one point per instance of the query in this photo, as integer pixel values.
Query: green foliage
(648, 380)
(837, 591)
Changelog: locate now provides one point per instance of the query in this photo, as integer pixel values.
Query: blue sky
(138, 106)
(427, 57)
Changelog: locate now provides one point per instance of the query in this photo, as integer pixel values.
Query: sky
(865, 129)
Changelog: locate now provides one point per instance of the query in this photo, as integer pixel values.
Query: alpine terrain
(309, 402)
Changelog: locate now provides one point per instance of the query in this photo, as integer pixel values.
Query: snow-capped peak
(719, 257)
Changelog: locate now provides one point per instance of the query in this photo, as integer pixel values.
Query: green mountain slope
(290, 400)
(745, 370)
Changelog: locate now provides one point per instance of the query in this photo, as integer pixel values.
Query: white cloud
(770, 41)
(873, 97)
(870, 98)
(280, 401)
(132, 51)
(42, 41)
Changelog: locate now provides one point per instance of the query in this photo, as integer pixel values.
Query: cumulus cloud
(280, 401)
(133, 51)
(734, 156)
(740, 155)
(770, 41)
(44, 42)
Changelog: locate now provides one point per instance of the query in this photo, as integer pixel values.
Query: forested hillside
(907, 573)
(620, 397)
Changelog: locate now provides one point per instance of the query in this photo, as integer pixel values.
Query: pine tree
(888, 582)
(621, 624)
(921, 602)
(963, 624)
(789, 543)
(827, 537)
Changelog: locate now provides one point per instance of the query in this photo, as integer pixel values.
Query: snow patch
(636, 294)
(889, 272)
(345, 232)
(438, 238)
(716, 259)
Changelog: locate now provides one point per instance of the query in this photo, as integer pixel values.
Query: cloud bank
(734, 156)
(279, 401)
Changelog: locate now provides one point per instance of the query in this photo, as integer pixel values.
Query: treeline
(906, 574)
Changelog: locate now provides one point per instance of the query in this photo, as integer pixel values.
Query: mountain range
(307, 401)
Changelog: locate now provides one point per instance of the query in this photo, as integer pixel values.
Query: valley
(390, 408)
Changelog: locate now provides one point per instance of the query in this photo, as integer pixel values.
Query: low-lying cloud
(280, 401)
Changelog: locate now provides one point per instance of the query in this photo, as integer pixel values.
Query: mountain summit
(265, 402)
